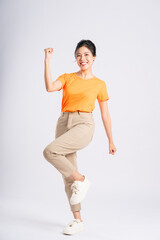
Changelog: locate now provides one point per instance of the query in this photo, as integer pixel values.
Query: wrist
(46, 60)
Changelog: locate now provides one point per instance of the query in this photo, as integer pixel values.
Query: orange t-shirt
(81, 94)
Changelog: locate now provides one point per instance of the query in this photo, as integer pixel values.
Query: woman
(75, 125)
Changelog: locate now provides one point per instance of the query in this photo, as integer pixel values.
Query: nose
(82, 56)
(82, 59)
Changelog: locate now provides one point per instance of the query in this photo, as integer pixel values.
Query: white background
(123, 201)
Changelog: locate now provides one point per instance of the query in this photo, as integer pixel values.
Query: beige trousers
(74, 131)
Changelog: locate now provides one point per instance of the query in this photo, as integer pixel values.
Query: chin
(83, 68)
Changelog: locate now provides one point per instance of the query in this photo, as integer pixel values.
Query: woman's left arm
(107, 125)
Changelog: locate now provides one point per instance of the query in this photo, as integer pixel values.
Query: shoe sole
(69, 233)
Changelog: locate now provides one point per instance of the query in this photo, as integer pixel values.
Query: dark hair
(86, 43)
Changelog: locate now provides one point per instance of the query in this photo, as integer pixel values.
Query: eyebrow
(85, 52)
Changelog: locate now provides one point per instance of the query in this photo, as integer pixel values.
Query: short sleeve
(103, 94)
(63, 79)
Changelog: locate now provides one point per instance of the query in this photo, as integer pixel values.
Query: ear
(94, 58)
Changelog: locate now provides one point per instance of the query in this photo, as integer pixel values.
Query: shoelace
(75, 187)
(72, 222)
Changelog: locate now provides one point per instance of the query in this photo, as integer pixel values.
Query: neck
(85, 73)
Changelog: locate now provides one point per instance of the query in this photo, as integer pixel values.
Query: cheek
(90, 61)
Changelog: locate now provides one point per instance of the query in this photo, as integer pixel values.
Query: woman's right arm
(50, 85)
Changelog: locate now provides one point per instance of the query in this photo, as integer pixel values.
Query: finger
(51, 50)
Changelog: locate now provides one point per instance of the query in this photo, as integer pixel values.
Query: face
(84, 58)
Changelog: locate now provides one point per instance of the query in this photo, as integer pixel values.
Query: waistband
(75, 112)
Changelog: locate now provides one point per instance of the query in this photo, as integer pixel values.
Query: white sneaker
(73, 227)
(79, 190)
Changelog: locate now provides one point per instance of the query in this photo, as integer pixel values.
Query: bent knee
(47, 153)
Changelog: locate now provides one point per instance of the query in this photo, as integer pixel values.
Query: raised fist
(48, 53)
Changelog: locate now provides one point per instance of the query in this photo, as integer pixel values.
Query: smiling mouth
(83, 64)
